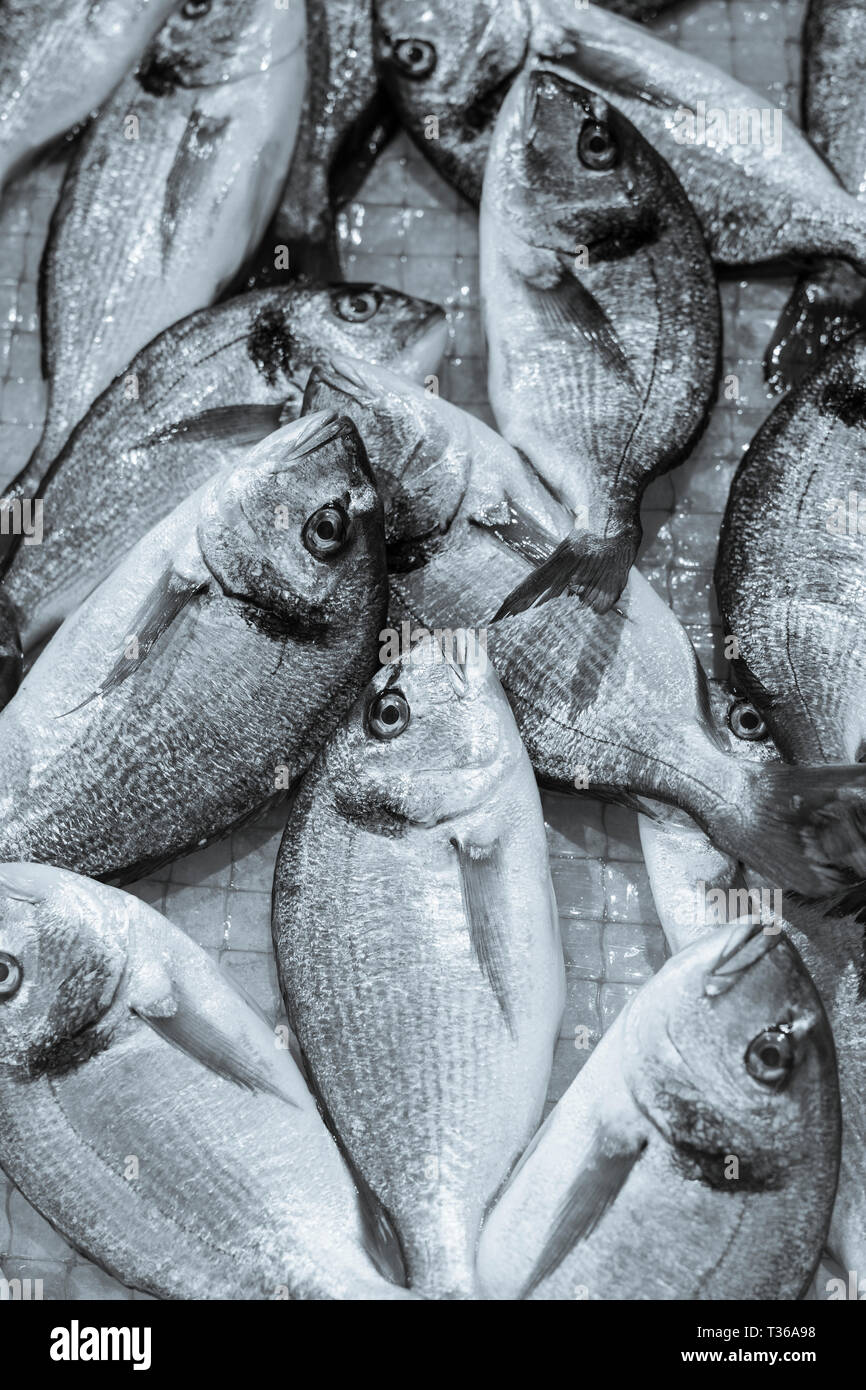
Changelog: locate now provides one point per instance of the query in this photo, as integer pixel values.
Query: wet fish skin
(60, 59)
(198, 680)
(790, 575)
(636, 1155)
(193, 399)
(753, 207)
(155, 219)
(124, 1038)
(428, 1020)
(614, 705)
(601, 315)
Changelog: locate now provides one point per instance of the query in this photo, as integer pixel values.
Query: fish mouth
(745, 945)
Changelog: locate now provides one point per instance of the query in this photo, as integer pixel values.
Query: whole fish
(426, 984)
(601, 316)
(58, 60)
(791, 568)
(150, 1115)
(696, 1154)
(448, 67)
(830, 304)
(193, 399)
(759, 188)
(171, 188)
(612, 704)
(198, 680)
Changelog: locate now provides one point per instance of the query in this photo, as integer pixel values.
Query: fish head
(63, 957)
(206, 43)
(730, 1055)
(576, 177)
(417, 444)
(430, 739)
(453, 61)
(296, 530)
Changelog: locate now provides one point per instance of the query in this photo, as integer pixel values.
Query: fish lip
(744, 946)
(423, 352)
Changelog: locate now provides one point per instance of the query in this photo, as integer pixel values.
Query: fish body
(151, 1115)
(60, 59)
(829, 305)
(703, 1131)
(614, 704)
(197, 681)
(601, 316)
(426, 983)
(171, 188)
(791, 575)
(193, 400)
(759, 188)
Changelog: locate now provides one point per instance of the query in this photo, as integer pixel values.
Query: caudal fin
(802, 827)
(823, 310)
(595, 568)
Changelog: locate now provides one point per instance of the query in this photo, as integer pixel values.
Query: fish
(610, 705)
(344, 125)
(171, 188)
(601, 316)
(696, 1154)
(58, 61)
(761, 191)
(426, 983)
(204, 390)
(829, 304)
(152, 1116)
(791, 573)
(196, 682)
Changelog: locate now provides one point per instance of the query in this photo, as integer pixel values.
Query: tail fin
(594, 567)
(11, 659)
(802, 827)
(823, 310)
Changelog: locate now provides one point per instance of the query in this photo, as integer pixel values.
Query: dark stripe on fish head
(270, 345)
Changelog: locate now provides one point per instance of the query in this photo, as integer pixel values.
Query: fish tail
(595, 568)
(805, 827)
(11, 658)
(822, 312)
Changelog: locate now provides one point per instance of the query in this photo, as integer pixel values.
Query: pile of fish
(275, 568)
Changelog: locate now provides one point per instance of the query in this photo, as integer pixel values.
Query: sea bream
(419, 949)
(195, 684)
(601, 317)
(152, 1117)
(192, 401)
(59, 59)
(614, 704)
(830, 303)
(759, 188)
(696, 1154)
(170, 189)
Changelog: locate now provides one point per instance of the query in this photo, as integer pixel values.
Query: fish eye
(196, 9)
(326, 532)
(596, 146)
(770, 1056)
(745, 721)
(388, 715)
(358, 306)
(416, 57)
(11, 975)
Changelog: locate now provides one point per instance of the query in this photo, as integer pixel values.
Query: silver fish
(151, 1115)
(601, 316)
(193, 400)
(419, 948)
(198, 680)
(171, 188)
(830, 304)
(58, 60)
(696, 1154)
(759, 188)
(614, 705)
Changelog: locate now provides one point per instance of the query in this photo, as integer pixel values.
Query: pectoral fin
(567, 308)
(240, 425)
(481, 882)
(191, 167)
